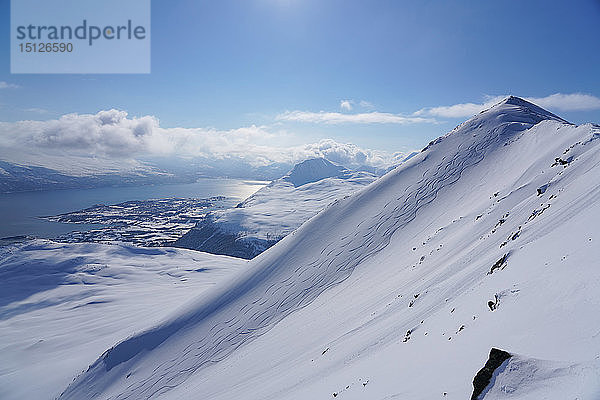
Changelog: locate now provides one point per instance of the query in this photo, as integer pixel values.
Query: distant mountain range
(91, 173)
(22, 178)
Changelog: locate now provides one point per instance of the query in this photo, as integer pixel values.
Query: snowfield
(275, 210)
(63, 304)
(487, 238)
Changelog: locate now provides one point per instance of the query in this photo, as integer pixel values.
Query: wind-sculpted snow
(293, 273)
(62, 304)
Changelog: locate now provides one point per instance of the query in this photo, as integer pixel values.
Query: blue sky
(276, 64)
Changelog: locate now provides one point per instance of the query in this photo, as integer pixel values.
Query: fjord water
(19, 212)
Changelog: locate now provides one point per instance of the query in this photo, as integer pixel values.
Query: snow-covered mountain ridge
(314, 170)
(485, 239)
(275, 210)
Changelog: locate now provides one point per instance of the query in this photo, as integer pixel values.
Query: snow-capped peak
(518, 106)
(506, 118)
(313, 170)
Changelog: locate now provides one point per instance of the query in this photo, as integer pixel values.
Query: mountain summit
(313, 170)
(525, 107)
(508, 117)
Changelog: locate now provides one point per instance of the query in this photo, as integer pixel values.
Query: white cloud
(366, 104)
(346, 154)
(567, 102)
(557, 101)
(6, 85)
(36, 110)
(360, 118)
(114, 135)
(106, 133)
(459, 110)
(346, 105)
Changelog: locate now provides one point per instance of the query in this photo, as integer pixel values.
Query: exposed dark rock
(484, 376)
(498, 264)
(537, 213)
(516, 235)
(494, 304)
(560, 161)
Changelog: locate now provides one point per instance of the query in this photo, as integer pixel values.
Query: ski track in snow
(307, 281)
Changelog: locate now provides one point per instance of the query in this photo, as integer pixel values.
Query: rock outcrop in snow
(485, 376)
(393, 281)
(525, 378)
(274, 211)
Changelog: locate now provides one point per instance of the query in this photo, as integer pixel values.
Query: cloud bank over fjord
(107, 133)
(114, 135)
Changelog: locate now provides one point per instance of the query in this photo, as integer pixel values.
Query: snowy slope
(275, 210)
(62, 304)
(386, 294)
